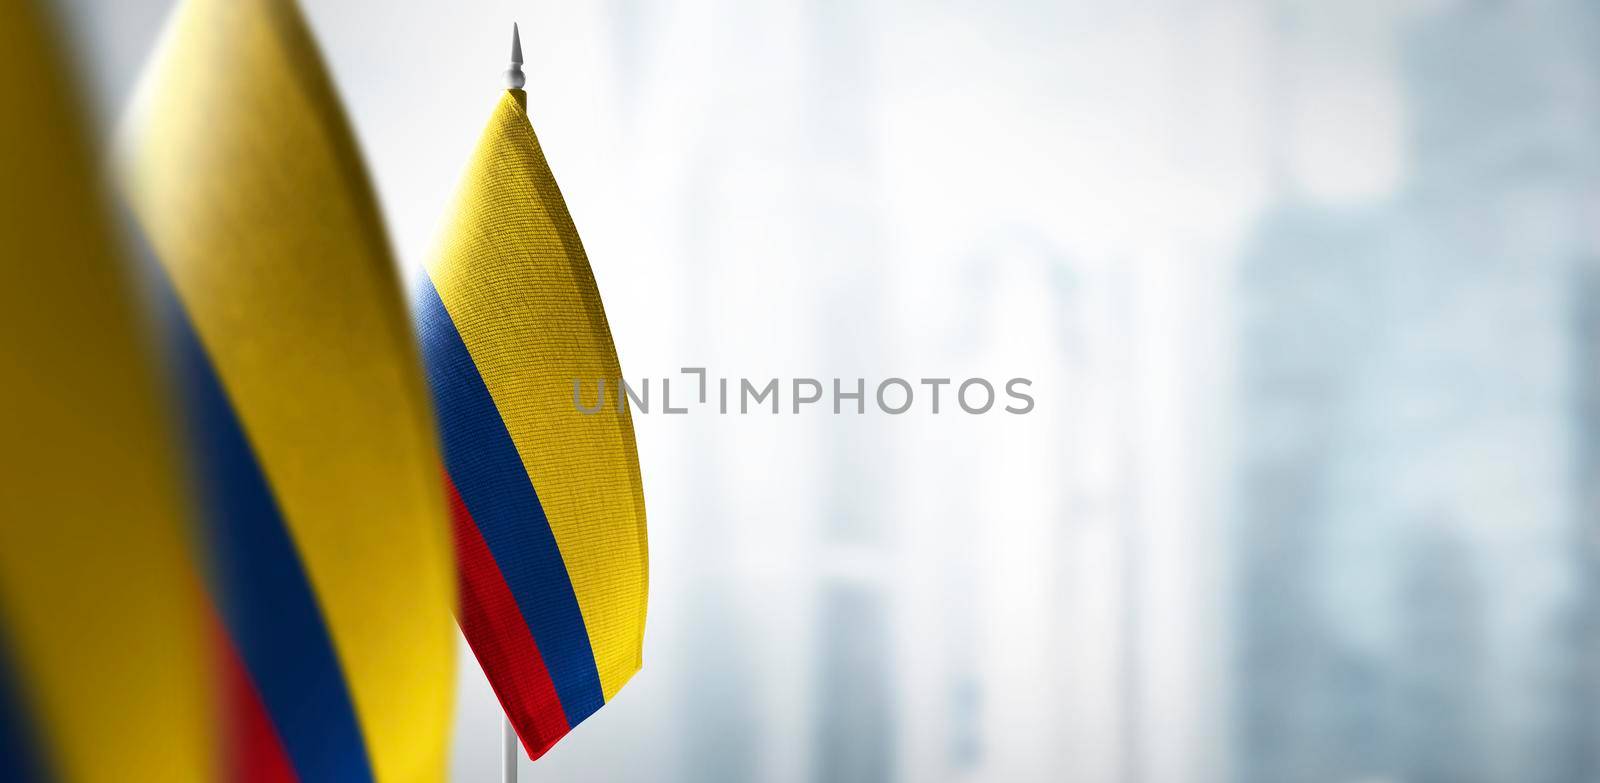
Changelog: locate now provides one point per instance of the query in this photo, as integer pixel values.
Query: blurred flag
(548, 504)
(331, 562)
(103, 627)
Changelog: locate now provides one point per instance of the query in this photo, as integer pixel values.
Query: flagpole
(514, 77)
(508, 734)
(508, 751)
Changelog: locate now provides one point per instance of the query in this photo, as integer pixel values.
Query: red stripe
(254, 751)
(500, 638)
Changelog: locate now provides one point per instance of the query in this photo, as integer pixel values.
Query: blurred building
(1416, 437)
(855, 715)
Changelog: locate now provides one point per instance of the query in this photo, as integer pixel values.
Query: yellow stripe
(98, 594)
(512, 272)
(243, 170)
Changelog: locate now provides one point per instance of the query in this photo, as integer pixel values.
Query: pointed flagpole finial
(514, 77)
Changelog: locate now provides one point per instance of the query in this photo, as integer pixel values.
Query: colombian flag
(103, 635)
(548, 504)
(330, 556)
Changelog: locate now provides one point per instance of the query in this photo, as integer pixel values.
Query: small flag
(548, 504)
(324, 520)
(103, 628)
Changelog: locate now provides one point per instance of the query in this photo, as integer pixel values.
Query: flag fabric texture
(547, 502)
(103, 629)
(330, 561)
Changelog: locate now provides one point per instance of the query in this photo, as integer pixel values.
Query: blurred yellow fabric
(244, 172)
(99, 596)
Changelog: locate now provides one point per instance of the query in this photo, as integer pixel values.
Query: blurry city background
(1309, 291)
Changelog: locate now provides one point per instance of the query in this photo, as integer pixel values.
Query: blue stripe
(487, 470)
(259, 584)
(20, 750)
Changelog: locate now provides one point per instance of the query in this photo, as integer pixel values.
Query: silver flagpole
(508, 751)
(508, 735)
(514, 77)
